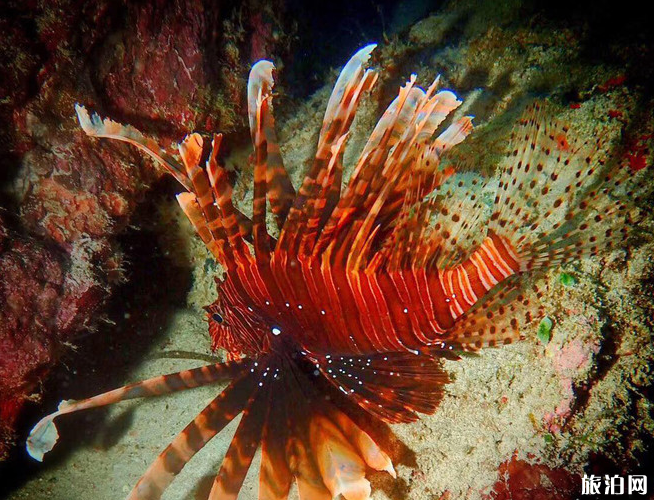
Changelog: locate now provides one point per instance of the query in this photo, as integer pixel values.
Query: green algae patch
(545, 330)
(567, 279)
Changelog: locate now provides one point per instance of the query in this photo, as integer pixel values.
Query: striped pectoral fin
(244, 445)
(275, 477)
(220, 412)
(44, 435)
(391, 386)
(94, 126)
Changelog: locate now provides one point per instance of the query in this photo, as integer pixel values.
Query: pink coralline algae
(569, 361)
(167, 63)
(574, 357)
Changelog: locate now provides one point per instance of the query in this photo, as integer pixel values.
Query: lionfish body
(340, 322)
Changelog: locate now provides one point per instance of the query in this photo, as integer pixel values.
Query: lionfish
(338, 325)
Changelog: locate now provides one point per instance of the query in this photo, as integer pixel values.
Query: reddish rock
(262, 37)
(166, 67)
(30, 287)
(158, 67)
(520, 480)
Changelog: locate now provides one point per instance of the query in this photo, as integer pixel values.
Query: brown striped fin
(190, 149)
(352, 83)
(342, 97)
(190, 206)
(423, 163)
(365, 193)
(422, 116)
(398, 161)
(275, 477)
(222, 192)
(279, 188)
(44, 434)
(409, 240)
(318, 208)
(243, 446)
(259, 230)
(423, 160)
(94, 126)
(209, 422)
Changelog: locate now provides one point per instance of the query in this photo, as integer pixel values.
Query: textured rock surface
(156, 64)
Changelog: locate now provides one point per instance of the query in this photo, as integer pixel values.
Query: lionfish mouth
(403, 266)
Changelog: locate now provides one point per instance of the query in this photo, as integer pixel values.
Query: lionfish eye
(217, 317)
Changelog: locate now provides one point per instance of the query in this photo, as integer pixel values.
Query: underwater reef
(93, 247)
(64, 204)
